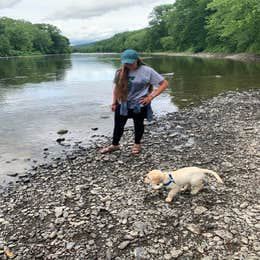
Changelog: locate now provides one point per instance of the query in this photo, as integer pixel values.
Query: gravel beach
(248, 57)
(93, 206)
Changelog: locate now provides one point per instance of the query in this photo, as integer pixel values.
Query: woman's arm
(163, 85)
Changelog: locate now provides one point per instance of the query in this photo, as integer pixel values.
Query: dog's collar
(170, 181)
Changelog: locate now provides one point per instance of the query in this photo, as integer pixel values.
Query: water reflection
(91, 67)
(196, 79)
(18, 71)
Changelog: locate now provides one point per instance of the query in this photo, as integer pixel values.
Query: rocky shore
(248, 57)
(93, 206)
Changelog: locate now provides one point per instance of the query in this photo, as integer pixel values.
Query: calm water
(41, 95)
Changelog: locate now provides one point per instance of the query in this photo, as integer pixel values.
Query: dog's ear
(155, 176)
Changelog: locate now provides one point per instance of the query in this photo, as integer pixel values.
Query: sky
(84, 21)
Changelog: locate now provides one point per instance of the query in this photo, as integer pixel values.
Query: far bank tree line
(192, 25)
(19, 37)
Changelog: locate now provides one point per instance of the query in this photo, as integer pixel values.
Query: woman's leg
(119, 124)
(139, 124)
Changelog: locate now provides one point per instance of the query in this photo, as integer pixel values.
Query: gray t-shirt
(139, 81)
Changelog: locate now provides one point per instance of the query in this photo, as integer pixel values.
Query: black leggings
(120, 122)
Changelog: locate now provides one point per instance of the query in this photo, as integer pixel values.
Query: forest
(228, 26)
(19, 37)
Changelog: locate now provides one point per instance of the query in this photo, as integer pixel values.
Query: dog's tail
(214, 174)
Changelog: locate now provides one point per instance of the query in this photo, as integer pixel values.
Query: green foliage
(42, 42)
(18, 37)
(137, 40)
(4, 46)
(119, 42)
(186, 24)
(192, 25)
(158, 26)
(234, 25)
(167, 43)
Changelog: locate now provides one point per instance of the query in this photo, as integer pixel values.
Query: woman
(132, 97)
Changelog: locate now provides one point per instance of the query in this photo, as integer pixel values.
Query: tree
(234, 25)
(158, 26)
(4, 46)
(18, 37)
(60, 44)
(167, 43)
(42, 42)
(137, 41)
(186, 24)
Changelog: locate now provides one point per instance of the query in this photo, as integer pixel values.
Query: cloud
(84, 20)
(8, 3)
(105, 26)
(93, 8)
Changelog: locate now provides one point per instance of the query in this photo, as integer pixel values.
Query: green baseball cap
(129, 56)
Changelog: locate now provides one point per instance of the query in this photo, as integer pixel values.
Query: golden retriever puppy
(179, 180)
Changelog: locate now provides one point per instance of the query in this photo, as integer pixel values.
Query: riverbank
(255, 57)
(93, 206)
(238, 56)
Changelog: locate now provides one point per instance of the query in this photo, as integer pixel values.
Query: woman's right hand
(113, 107)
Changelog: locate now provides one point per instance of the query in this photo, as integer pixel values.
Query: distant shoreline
(234, 56)
(33, 55)
(255, 57)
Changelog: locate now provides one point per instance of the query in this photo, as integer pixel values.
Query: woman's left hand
(146, 100)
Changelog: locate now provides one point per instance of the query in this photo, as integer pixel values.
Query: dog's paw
(168, 200)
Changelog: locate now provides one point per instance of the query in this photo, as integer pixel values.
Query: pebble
(167, 256)
(58, 212)
(53, 234)
(70, 245)
(176, 252)
(62, 132)
(123, 245)
(224, 234)
(257, 226)
(194, 228)
(140, 253)
(199, 210)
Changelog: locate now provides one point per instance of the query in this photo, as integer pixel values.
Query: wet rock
(14, 174)
(60, 140)
(62, 132)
